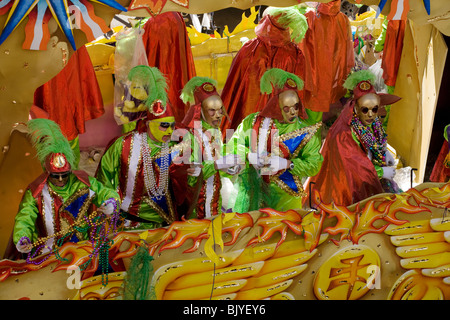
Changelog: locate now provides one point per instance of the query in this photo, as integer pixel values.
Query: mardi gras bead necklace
(373, 137)
(149, 177)
(99, 229)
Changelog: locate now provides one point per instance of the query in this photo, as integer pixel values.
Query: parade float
(388, 246)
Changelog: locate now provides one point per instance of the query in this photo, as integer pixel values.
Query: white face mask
(290, 105)
(367, 108)
(213, 111)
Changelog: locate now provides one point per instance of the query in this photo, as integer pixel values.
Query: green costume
(61, 197)
(207, 146)
(202, 121)
(121, 168)
(282, 191)
(46, 209)
(137, 164)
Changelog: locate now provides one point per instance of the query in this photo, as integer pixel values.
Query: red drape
(392, 52)
(272, 48)
(73, 96)
(440, 173)
(329, 55)
(168, 48)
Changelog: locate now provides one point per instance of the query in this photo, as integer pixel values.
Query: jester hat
(52, 147)
(275, 81)
(195, 91)
(155, 84)
(361, 82)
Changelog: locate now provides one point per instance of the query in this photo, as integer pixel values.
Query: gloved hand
(390, 160)
(227, 161)
(194, 170)
(24, 245)
(255, 160)
(108, 206)
(388, 173)
(234, 170)
(277, 163)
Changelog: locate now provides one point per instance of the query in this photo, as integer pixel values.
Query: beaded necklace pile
(373, 138)
(154, 190)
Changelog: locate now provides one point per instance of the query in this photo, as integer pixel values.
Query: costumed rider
(208, 163)
(60, 196)
(276, 46)
(141, 163)
(280, 145)
(357, 163)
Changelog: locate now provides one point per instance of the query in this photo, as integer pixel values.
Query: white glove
(108, 207)
(24, 245)
(390, 160)
(234, 170)
(388, 173)
(277, 163)
(255, 160)
(194, 170)
(227, 161)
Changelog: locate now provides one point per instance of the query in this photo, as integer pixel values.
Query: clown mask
(367, 108)
(290, 104)
(212, 110)
(161, 129)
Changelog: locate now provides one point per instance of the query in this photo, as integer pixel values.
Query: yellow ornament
(348, 274)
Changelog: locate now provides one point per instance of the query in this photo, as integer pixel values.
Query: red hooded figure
(348, 174)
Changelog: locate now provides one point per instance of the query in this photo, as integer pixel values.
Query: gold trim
(83, 210)
(291, 83)
(365, 85)
(159, 113)
(168, 217)
(283, 186)
(208, 87)
(311, 130)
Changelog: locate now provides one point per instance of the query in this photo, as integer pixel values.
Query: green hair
(47, 138)
(277, 78)
(153, 79)
(291, 18)
(187, 94)
(356, 77)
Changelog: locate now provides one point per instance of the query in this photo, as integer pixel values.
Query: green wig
(187, 94)
(276, 78)
(47, 138)
(154, 81)
(356, 77)
(291, 18)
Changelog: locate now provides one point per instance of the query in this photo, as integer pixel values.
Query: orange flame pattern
(351, 224)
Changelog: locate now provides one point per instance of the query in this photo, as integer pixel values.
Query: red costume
(392, 51)
(329, 56)
(272, 48)
(73, 96)
(351, 176)
(441, 169)
(168, 48)
(347, 174)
